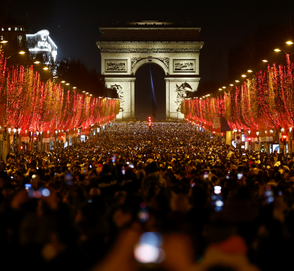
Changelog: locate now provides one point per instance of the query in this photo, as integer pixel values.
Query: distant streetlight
(289, 42)
(67, 84)
(250, 71)
(265, 60)
(277, 50)
(37, 62)
(220, 89)
(20, 53)
(244, 75)
(237, 81)
(3, 41)
(231, 85)
(224, 87)
(62, 82)
(45, 68)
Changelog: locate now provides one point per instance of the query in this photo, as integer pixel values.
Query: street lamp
(20, 53)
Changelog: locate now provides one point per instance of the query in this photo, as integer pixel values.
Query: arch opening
(144, 102)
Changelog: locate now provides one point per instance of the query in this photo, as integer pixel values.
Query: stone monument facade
(176, 49)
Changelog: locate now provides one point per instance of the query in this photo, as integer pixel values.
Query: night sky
(74, 25)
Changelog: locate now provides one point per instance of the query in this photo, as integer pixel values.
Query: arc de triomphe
(175, 49)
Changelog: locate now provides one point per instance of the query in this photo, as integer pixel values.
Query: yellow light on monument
(264, 60)
(21, 52)
(277, 50)
(45, 68)
(62, 81)
(37, 62)
(83, 91)
(74, 87)
(237, 81)
(244, 75)
(289, 42)
(220, 89)
(249, 71)
(3, 41)
(224, 87)
(67, 84)
(231, 85)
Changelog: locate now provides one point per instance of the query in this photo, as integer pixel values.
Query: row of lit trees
(266, 99)
(27, 103)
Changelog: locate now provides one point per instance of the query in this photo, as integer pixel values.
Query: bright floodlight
(21, 52)
(37, 62)
(243, 75)
(237, 81)
(264, 60)
(220, 89)
(224, 87)
(249, 71)
(231, 85)
(67, 84)
(45, 68)
(289, 42)
(3, 41)
(62, 81)
(277, 50)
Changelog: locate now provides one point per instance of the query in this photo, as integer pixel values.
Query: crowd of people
(167, 197)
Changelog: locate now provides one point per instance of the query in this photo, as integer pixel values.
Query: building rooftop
(150, 30)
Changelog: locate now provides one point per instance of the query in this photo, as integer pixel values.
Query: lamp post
(290, 136)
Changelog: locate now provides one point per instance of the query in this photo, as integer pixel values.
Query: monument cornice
(150, 28)
(149, 46)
